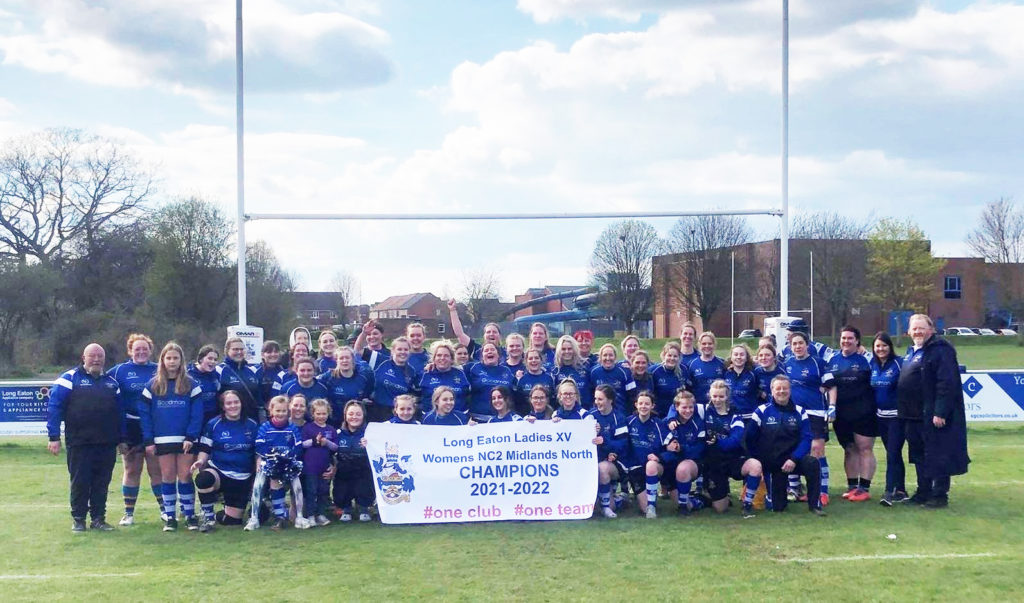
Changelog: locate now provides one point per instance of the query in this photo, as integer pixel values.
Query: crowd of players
(679, 426)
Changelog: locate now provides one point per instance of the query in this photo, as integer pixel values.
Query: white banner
(993, 395)
(487, 472)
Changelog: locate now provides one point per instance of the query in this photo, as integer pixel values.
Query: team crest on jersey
(393, 478)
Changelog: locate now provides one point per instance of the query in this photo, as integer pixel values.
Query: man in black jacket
(85, 400)
(931, 403)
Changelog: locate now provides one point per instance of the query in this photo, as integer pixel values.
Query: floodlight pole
(240, 146)
(784, 235)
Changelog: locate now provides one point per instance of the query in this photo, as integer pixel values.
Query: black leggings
(353, 484)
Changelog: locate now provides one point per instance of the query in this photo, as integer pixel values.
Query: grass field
(974, 550)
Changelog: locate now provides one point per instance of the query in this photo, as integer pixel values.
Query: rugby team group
(680, 426)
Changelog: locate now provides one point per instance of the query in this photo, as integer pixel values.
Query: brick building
(554, 305)
(321, 310)
(399, 310)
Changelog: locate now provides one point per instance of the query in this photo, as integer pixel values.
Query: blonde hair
(320, 404)
(439, 344)
(577, 360)
(723, 384)
(437, 395)
(277, 400)
(404, 398)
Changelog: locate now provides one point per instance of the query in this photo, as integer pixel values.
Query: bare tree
(701, 279)
(345, 284)
(61, 187)
(840, 254)
(480, 291)
(621, 268)
(1000, 236)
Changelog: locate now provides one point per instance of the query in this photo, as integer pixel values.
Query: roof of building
(400, 302)
(316, 300)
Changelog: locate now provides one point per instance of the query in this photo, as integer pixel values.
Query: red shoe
(802, 497)
(849, 492)
(824, 500)
(859, 495)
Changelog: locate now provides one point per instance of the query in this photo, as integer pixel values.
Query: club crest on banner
(395, 480)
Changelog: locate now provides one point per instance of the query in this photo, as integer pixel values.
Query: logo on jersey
(394, 480)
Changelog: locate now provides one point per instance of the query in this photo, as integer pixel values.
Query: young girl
(724, 457)
(297, 410)
(607, 372)
(171, 415)
(643, 455)
(320, 441)
(501, 402)
(742, 381)
(612, 441)
(405, 410)
(534, 376)
(568, 402)
(540, 403)
(353, 479)
(686, 449)
(667, 378)
(224, 463)
(278, 444)
(444, 412)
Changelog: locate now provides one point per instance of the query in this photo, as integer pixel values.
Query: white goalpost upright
(243, 217)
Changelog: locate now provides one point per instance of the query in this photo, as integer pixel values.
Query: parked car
(752, 333)
(959, 331)
(1008, 332)
(987, 332)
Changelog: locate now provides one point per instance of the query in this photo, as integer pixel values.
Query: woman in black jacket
(931, 402)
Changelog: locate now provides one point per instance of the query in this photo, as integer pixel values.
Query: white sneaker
(346, 517)
(253, 524)
(364, 516)
(608, 512)
(301, 523)
(127, 520)
(321, 520)
(652, 513)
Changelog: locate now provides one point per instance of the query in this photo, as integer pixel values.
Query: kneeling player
(612, 441)
(724, 457)
(643, 457)
(225, 460)
(685, 450)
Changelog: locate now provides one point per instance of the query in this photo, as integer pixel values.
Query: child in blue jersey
(278, 445)
(501, 402)
(392, 377)
(569, 364)
(685, 450)
(809, 380)
(346, 382)
(484, 376)
(647, 438)
(612, 441)
(609, 373)
(705, 368)
(744, 398)
(885, 376)
(767, 368)
(540, 404)
(444, 372)
(171, 414)
(132, 377)
(444, 412)
(204, 374)
(668, 378)
(535, 376)
(353, 479)
(724, 456)
(405, 411)
(569, 407)
(225, 462)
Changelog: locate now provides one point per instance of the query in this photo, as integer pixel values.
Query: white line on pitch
(885, 557)
(987, 484)
(65, 576)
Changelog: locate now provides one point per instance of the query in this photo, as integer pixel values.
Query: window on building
(952, 290)
(314, 314)
(440, 328)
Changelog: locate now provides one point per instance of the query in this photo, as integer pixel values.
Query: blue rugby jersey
(171, 418)
(884, 380)
(391, 380)
(419, 360)
(779, 433)
(582, 378)
(244, 378)
(619, 379)
(524, 384)
(89, 407)
(807, 377)
(577, 412)
(691, 436)
(341, 389)
(614, 431)
(454, 378)
(209, 385)
(132, 379)
(645, 438)
(231, 445)
(508, 418)
(703, 373)
(453, 418)
(311, 392)
(851, 376)
(814, 348)
(483, 379)
(271, 438)
(666, 383)
(351, 454)
(745, 398)
(727, 432)
(764, 380)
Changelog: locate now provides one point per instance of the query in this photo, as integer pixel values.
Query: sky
(897, 108)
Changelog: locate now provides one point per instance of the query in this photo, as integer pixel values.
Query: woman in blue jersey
(767, 368)
(612, 441)
(687, 342)
(405, 410)
(305, 382)
(492, 334)
(667, 378)
(286, 377)
(685, 451)
(540, 403)
(705, 368)
(416, 333)
(132, 377)
(393, 377)
(885, 377)
(742, 382)
(225, 462)
(353, 478)
(501, 403)
(724, 457)
(610, 373)
(171, 414)
(484, 376)
(585, 340)
(534, 376)
(810, 379)
(640, 370)
(346, 382)
(855, 423)
(204, 373)
(327, 344)
(369, 345)
(568, 398)
(570, 364)
(237, 374)
(444, 413)
(272, 362)
(629, 346)
(647, 436)
(443, 372)
(539, 341)
(515, 353)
